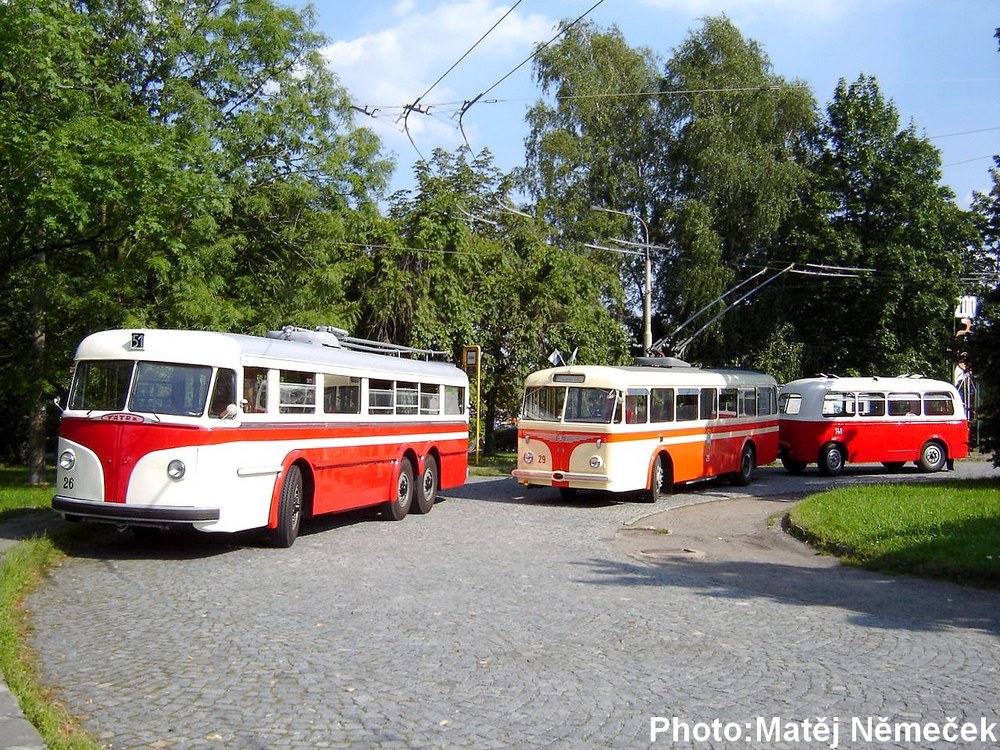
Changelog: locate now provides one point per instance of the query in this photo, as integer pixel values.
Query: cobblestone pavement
(507, 618)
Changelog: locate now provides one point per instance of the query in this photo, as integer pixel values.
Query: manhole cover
(678, 552)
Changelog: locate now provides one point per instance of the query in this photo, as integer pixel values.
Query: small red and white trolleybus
(223, 432)
(831, 421)
(642, 429)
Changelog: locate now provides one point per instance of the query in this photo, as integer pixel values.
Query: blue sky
(937, 60)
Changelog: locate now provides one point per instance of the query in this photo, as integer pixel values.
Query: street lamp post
(647, 323)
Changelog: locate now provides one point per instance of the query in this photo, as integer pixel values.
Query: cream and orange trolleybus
(644, 428)
(224, 432)
(833, 421)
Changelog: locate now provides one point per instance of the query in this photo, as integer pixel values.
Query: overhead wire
(415, 106)
(468, 104)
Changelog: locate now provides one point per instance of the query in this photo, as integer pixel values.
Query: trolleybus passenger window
(101, 386)
(296, 392)
(709, 403)
(687, 404)
(636, 406)
(748, 402)
(661, 405)
(938, 404)
(728, 403)
(454, 399)
(223, 394)
(430, 399)
(904, 405)
(341, 394)
(254, 390)
(180, 390)
(838, 405)
(407, 398)
(767, 401)
(381, 397)
(594, 405)
(789, 403)
(871, 404)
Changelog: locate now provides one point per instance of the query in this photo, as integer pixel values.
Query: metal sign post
(472, 364)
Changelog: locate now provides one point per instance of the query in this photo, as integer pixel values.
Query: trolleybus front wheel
(744, 476)
(289, 509)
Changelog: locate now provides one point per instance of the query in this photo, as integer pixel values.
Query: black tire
(792, 466)
(427, 487)
(659, 484)
(397, 508)
(748, 463)
(831, 460)
(933, 457)
(289, 509)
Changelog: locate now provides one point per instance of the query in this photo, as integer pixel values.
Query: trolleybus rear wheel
(427, 487)
(831, 460)
(397, 508)
(932, 456)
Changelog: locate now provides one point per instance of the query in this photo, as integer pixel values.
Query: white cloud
(395, 65)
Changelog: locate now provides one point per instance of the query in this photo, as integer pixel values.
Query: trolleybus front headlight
(67, 460)
(176, 469)
(596, 462)
(528, 457)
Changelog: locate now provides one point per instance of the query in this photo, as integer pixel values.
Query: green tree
(983, 343)
(185, 164)
(465, 270)
(595, 144)
(734, 165)
(882, 208)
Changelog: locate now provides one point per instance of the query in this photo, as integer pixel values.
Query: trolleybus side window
(661, 405)
(595, 405)
(904, 404)
(254, 390)
(223, 394)
(687, 404)
(767, 401)
(297, 392)
(179, 390)
(728, 403)
(748, 402)
(636, 405)
(709, 403)
(871, 404)
(341, 394)
(381, 397)
(791, 403)
(101, 386)
(938, 404)
(454, 399)
(430, 399)
(838, 404)
(407, 398)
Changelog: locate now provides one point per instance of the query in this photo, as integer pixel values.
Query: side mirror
(231, 412)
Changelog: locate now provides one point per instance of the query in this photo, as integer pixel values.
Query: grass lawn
(940, 529)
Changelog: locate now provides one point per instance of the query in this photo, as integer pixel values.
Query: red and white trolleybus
(831, 421)
(223, 432)
(644, 428)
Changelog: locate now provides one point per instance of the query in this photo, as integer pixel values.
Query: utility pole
(647, 317)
